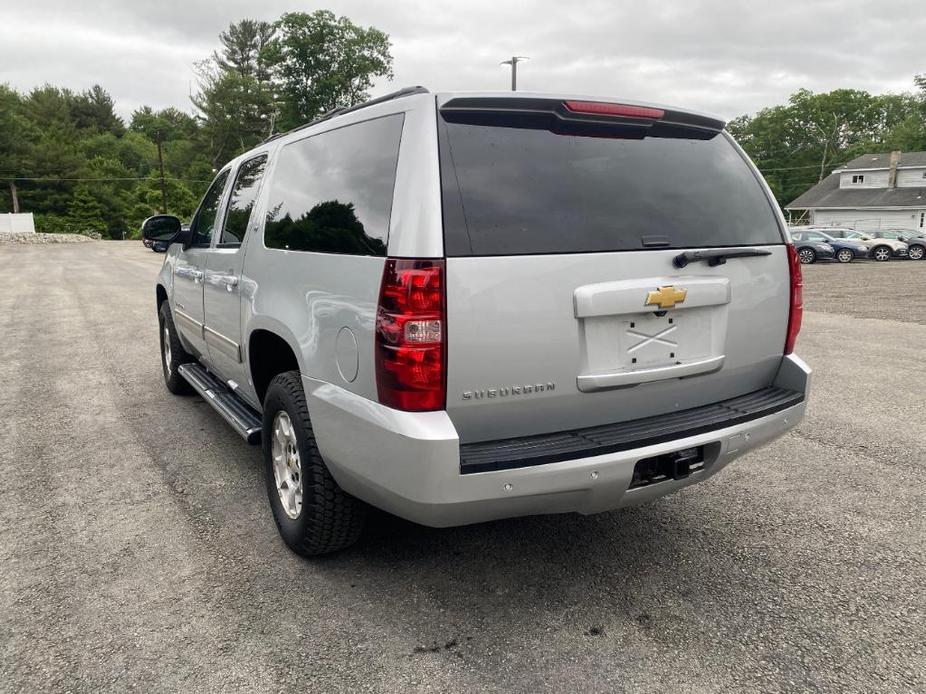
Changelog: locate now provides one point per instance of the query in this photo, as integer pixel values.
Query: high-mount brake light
(411, 323)
(602, 108)
(796, 311)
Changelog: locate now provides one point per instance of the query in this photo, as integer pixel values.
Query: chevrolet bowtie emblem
(666, 297)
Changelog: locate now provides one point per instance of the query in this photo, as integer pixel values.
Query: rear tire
(845, 255)
(807, 256)
(916, 252)
(313, 514)
(172, 353)
(881, 253)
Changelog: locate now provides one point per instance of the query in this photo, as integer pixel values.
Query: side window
(204, 222)
(241, 201)
(332, 193)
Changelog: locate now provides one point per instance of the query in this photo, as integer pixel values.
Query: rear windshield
(512, 191)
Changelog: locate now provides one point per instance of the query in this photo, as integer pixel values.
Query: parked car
(810, 250)
(846, 250)
(553, 320)
(916, 244)
(882, 249)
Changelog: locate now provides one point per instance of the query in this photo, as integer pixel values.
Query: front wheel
(172, 353)
(916, 252)
(313, 514)
(881, 254)
(807, 256)
(845, 256)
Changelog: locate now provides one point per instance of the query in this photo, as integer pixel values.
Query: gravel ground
(137, 548)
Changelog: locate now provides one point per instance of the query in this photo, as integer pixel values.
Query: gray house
(871, 192)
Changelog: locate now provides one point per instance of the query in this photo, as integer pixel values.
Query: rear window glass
(511, 191)
(332, 192)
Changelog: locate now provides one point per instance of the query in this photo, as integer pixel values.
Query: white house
(873, 191)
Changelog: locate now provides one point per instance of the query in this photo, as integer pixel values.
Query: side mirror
(161, 227)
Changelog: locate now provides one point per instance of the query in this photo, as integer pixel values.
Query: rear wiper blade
(716, 256)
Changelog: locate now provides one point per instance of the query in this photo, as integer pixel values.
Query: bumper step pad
(525, 451)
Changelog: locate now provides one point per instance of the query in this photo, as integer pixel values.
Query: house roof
(883, 160)
(827, 193)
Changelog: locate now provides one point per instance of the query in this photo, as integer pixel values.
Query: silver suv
(463, 307)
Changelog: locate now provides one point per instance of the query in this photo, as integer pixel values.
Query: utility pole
(515, 59)
(161, 166)
(13, 194)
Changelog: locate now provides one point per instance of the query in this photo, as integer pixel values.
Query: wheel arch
(269, 354)
(160, 295)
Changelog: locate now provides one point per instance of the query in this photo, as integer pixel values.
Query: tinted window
(510, 191)
(332, 193)
(208, 209)
(242, 199)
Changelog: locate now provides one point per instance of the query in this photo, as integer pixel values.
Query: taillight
(796, 312)
(602, 108)
(411, 334)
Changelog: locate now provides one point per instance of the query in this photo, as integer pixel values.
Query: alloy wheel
(287, 465)
(916, 253)
(806, 256)
(882, 254)
(844, 256)
(166, 350)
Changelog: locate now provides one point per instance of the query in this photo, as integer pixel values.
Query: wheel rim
(915, 252)
(882, 254)
(287, 466)
(166, 349)
(845, 256)
(806, 256)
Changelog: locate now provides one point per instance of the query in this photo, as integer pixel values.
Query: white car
(881, 249)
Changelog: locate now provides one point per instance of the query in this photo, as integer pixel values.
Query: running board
(233, 409)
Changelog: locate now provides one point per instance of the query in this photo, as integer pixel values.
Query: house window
(922, 217)
(858, 178)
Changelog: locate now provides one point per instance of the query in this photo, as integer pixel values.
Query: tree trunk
(15, 197)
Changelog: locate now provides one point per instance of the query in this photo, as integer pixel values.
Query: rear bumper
(409, 463)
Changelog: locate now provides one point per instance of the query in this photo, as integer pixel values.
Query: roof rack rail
(407, 91)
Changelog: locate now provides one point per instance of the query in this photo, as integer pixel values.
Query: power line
(110, 178)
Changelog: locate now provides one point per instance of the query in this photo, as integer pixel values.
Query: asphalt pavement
(137, 549)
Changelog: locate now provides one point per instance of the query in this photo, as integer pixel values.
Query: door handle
(197, 275)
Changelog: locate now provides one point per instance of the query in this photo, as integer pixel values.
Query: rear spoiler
(580, 117)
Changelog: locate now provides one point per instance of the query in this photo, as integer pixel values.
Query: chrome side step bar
(233, 409)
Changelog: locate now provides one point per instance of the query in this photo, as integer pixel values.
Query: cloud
(713, 55)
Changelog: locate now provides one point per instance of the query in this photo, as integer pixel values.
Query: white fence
(17, 223)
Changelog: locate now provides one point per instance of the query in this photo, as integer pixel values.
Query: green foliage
(798, 144)
(323, 62)
(72, 161)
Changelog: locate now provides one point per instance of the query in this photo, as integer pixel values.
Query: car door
(221, 298)
(190, 267)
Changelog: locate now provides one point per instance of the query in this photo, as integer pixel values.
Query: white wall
(911, 178)
(873, 179)
(869, 220)
(17, 223)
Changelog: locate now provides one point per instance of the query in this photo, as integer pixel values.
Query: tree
(323, 62)
(94, 110)
(236, 100)
(85, 214)
(796, 145)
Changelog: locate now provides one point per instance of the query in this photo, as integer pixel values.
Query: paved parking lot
(137, 548)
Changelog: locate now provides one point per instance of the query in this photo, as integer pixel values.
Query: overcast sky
(721, 56)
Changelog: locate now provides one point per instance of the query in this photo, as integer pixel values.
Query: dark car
(916, 243)
(846, 250)
(810, 251)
